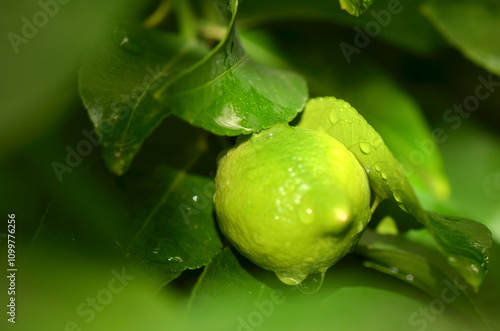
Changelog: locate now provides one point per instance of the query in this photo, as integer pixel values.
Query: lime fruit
(292, 200)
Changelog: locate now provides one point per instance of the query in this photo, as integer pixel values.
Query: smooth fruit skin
(292, 200)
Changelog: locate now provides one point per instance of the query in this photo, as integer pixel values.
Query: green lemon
(292, 200)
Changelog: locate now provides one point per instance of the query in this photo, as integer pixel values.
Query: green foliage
(117, 84)
(355, 7)
(224, 283)
(113, 116)
(416, 265)
(222, 91)
(228, 93)
(471, 26)
(465, 242)
(173, 224)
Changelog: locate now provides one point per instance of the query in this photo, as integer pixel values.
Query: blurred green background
(41, 116)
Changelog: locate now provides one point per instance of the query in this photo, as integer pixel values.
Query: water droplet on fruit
(365, 148)
(409, 277)
(290, 278)
(377, 167)
(377, 142)
(384, 175)
(312, 283)
(334, 118)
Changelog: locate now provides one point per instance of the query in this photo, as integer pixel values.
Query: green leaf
(224, 287)
(172, 218)
(228, 297)
(355, 7)
(464, 242)
(416, 266)
(117, 82)
(487, 297)
(399, 119)
(161, 218)
(471, 26)
(138, 77)
(228, 93)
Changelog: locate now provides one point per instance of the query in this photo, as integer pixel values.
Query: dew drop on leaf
(365, 148)
(175, 259)
(397, 197)
(125, 42)
(130, 46)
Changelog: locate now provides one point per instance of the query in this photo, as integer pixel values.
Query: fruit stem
(375, 204)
